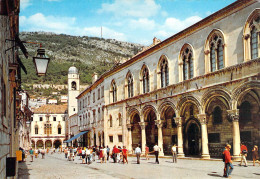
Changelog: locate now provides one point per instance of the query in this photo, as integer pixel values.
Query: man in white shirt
(174, 153)
(87, 156)
(156, 149)
(138, 153)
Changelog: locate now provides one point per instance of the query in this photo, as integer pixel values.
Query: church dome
(73, 70)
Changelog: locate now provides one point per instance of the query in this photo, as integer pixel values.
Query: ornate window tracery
(130, 85)
(216, 52)
(145, 79)
(187, 62)
(164, 72)
(113, 91)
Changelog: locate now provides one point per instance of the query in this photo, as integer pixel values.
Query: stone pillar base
(205, 156)
(180, 155)
(161, 153)
(236, 158)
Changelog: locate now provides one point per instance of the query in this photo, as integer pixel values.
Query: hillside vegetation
(88, 54)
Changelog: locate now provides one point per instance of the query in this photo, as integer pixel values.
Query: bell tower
(73, 90)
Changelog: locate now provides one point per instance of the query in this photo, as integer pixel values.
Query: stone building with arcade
(48, 126)
(198, 89)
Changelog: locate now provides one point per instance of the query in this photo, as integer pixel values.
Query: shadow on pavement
(214, 174)
(256, 173)
(23, 171)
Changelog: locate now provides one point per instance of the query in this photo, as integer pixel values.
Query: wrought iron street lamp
(41, 62)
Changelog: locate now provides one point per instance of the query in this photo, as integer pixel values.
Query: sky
(136, 21)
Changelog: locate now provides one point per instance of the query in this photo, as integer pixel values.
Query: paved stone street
(56, 166)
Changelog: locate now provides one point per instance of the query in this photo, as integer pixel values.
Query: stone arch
(163, 56)
(48, 143)
(33, 142)
(166, 104)
(188, 99)
(146, 109)
(242, 90)
(219, 92)
(131, 113)
(57, 143)
(39, 143)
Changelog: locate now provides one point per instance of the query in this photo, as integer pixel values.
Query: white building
(48, 126)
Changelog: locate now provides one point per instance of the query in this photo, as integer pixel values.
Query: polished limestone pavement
(56, 166)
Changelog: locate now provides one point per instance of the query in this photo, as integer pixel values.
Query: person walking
(228, 162)
(66, 152)
(138, 153)
(174, 153)
(255, 154)
(87, 156)
(108, 150)
(43, 153)
(146, 152)
(36, 153)
(101, 154)
(83, 155)
(156, 150)
(243, 154)
(105, 154)
(31, 153)
(125, 153)
(95, 151)
(115, 151)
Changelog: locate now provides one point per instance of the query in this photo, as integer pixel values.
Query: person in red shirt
(146, 152)
(243, 154)
(125, 153)
(228, 162)
(115, 151)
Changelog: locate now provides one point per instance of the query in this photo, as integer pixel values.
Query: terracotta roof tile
(51, 109)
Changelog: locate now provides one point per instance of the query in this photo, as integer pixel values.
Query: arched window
(252, 36)
(47, 129)
(254, 41)
(245, 112)
(216, 51)
(110, 121)
(59, 129)
(73, 85)
(164, 72)
(217, 115)
(145, 78)
(114, 91)
(130, 86)
(119, 120)
(36, 129)
(187, 62)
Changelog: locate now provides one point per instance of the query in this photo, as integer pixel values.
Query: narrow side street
(57, 167)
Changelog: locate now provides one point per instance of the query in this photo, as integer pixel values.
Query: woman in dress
(101, 154)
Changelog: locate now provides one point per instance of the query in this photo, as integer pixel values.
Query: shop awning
(75, 137)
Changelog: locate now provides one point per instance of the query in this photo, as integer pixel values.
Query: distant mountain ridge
(88, 54)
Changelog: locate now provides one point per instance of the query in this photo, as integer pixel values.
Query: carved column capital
(233, 114)
(142, 125)
(178, 121)
(129, 126)
(246, 36)
(206, 52)
(159, 123)
(202, 118)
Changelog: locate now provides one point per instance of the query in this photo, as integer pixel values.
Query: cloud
(133, 8)
(65, 25)
(173, 25)
(142, 23)
(24, 4)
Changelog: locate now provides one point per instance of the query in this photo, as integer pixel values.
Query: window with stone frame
(59, 129)
(187, 62)
(130, 85)
(119, 119)
(111, 139)
(110, 121)
(254, 38)
(113, 91)
(120, 138)
(102, 91)
(214, 137)
(216, 52)
(164, 72)
(36, 129)
(41, 118)
(145, 80)
(217, 115)
(73, 85)
(54, 118)
(47, 129)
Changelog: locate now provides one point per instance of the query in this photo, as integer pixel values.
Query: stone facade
(9, 105)
(48, 126)
(198, 89)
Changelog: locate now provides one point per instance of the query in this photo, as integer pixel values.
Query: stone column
(142, 124)
(234, 115)
(178, 121)
(101, 138)
(204, 136)
(129, 127)
(160, 136)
